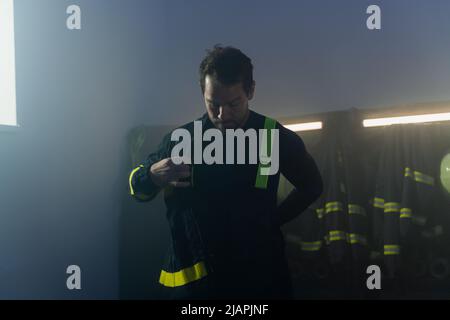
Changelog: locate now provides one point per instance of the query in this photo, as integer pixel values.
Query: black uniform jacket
(226, 240)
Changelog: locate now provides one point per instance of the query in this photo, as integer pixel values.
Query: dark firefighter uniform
(226, 241)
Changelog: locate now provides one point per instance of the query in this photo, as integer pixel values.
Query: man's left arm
(300, 169)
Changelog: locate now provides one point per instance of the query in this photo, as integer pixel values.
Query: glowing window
(7, 65)
(445, 172)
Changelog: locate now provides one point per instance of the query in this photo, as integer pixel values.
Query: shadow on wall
(144, 231)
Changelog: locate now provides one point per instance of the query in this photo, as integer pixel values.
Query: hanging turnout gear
(403, 201)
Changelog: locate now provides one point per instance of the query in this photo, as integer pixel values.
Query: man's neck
(245, 120)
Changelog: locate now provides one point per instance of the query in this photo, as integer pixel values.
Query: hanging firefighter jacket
(225, 229)
(404, 192)
(338, 218)
(380, 197)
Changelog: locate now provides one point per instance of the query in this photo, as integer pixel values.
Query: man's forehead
(216, 90)
(213, 98)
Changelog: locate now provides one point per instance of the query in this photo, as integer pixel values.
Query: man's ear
(252, 91)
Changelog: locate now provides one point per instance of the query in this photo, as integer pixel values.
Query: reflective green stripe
(354, 238)
(261, 180)
(333, 206)
(311, 246)
(184, 276)
(391, 249)
(378, 203)
(405, 213)
(356, 209)
(391, 207)
(419, 176)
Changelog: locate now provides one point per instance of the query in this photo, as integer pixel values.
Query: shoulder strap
(261, 180)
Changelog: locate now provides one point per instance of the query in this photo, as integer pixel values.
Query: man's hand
(165, 172)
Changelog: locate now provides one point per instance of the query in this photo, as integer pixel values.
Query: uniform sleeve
(142, 187)
(300, 169)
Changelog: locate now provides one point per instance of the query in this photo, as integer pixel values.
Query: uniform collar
(250, 123)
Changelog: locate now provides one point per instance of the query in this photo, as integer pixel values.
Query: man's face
(227, 106)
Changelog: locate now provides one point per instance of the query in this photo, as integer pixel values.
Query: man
(226, 238)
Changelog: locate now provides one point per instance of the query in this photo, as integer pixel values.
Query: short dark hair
(228, 65)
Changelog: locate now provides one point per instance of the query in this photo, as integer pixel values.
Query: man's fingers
(184, 174)
(175, 169)
(181, 162)
(177, 175)
(173, 173)
(180, 184)
(181, 170)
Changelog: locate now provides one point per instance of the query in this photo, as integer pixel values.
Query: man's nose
(223, 113)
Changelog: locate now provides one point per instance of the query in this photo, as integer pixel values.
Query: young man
(224, 218)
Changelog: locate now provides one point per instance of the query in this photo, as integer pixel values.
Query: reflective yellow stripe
(333, 206)
(391, 249)
(408, 172)
(419, 176)
(356, 209)
(140, 195)
(391, 207)
(423, 178)
(335, 235)
(351, 238)
(320, 213)
(184, 276)
(261, 180)
(378, 203)
(405, 213)
(131, 177)
(311, 246)
(354, 238)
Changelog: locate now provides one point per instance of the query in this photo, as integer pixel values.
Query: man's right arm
(141, 185)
